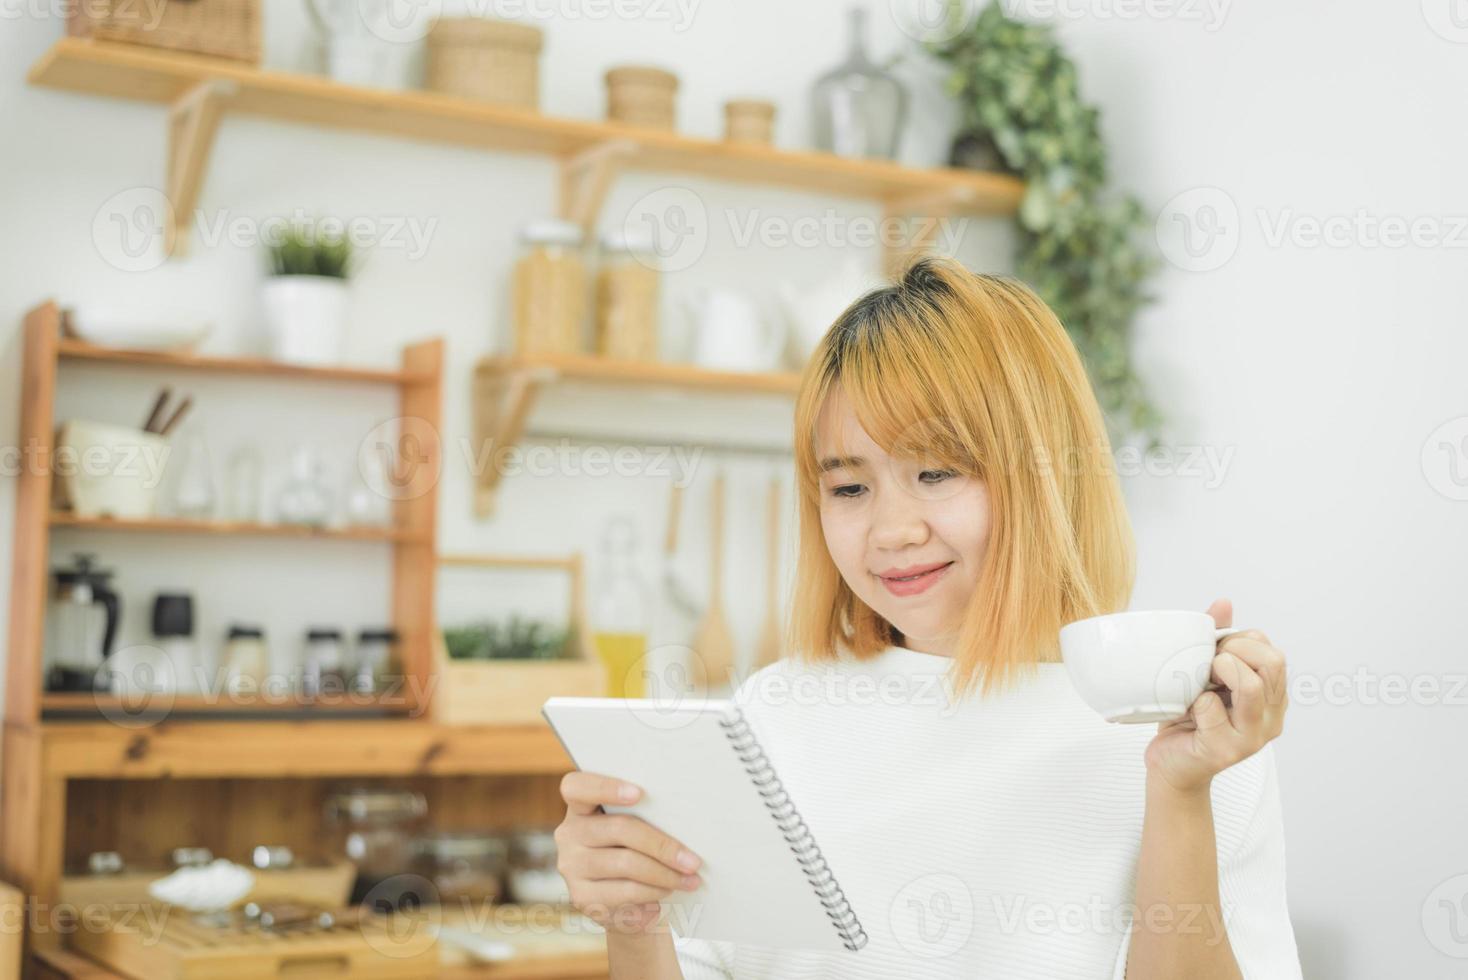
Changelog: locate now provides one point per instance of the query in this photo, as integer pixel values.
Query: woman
(956, 509)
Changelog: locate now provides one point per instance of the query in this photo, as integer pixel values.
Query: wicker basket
(486, 60)
(749, 121)
(641, 96)
(222, 28)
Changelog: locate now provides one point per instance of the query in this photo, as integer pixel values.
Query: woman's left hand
(1225, 726)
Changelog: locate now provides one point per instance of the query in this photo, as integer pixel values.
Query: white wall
(1316, 373)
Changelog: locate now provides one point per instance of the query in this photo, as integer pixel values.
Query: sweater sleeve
(1249, 827)
(701, 959)
(1251, 878)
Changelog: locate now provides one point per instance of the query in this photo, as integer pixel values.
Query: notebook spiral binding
(794, 830)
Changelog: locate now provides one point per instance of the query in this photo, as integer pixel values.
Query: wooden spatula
(713, 645)
(767, 651)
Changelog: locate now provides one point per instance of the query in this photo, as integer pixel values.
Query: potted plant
(305, 295)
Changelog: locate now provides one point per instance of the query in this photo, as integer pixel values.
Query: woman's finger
(585, 791)
(608, 863)
(625, 830)
(1266, 660)
(1246, 690)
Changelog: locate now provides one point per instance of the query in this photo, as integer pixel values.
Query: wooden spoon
(767, 651)
(713, 645)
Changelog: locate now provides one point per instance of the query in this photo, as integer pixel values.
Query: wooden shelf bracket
(586, 177)
(502, 403)
(928, 208)
(193, 122)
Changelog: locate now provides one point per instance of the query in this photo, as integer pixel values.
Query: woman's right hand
(618, 867)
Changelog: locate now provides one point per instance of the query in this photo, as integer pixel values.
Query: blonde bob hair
(972, 372)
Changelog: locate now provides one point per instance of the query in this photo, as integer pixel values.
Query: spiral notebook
(707, 782)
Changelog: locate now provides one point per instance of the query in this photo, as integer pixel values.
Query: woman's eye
(847, 490)
(936, 476)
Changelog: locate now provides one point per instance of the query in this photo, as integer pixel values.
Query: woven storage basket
(641, 96)
(749, 121)
(486, 60)
(222, 28)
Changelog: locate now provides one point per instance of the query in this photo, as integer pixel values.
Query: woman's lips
(916, 585)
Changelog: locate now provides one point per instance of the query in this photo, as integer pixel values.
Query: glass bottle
(305, 498)
(858, 109)
(619, 611)
(193, 488)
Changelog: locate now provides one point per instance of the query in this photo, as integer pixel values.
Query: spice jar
(374, 829)
(375, 660)
(323, 666)
(550, 289)
(627, 283)
(533, 875)
(246, 660)
(463, 865)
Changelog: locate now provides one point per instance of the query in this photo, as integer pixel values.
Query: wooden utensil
(156, 415)
(767, 650)
(713, 645)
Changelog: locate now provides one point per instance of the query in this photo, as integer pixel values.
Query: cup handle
(1218, 634)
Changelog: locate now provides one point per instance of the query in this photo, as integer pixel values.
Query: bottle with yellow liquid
(619, 611)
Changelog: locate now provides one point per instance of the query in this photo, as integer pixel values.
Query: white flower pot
(305, 318)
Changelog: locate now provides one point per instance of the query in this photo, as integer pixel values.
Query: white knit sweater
(991, 838)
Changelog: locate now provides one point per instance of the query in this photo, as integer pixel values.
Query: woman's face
(908, 537)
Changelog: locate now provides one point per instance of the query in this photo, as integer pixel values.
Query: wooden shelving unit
(200, 91)
(411, 536)
(506, 388)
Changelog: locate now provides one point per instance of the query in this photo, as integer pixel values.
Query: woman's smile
(913, 580)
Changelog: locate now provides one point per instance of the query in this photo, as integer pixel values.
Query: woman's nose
(898, 521)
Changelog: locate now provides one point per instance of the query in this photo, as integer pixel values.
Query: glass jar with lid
(376, 660)
(627, 286)
(463, 865)
(323, 664)
(246, 660)
(534, 879)
(550, 289)
(374, 828)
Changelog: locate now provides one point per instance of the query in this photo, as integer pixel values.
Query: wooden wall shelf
(506, 387)
(296, 749)
(201, 90)
(180, 525)
(68, 348)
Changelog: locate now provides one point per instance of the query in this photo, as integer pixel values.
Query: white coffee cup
(1142, 666)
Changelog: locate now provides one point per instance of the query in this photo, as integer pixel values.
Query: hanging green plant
(1079, 246)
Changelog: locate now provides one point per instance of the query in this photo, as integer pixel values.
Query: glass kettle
(81, 624)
